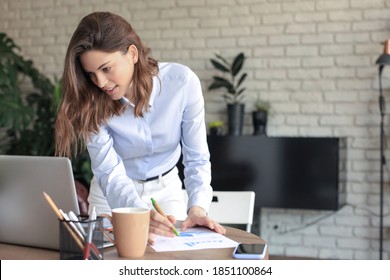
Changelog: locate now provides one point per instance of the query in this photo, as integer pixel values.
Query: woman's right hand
(160, 225)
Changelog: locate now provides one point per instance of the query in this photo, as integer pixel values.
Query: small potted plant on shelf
(216, 128)
(259, 117)
(231, 79)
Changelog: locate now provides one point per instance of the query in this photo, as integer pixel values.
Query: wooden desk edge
(17, 252)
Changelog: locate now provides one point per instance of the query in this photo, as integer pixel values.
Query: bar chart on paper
(193, 239)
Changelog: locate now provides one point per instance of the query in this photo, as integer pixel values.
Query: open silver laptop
(25, 216)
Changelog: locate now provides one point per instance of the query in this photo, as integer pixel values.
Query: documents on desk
(193, 239)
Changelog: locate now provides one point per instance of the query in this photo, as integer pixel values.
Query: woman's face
(112, 72)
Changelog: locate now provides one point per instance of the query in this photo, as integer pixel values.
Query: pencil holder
(81, 239)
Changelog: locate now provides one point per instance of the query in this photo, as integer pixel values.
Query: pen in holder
(74, 237)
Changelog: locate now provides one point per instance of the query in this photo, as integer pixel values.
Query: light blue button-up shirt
(140, 148)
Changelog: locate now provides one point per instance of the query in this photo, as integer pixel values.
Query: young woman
(136, 117)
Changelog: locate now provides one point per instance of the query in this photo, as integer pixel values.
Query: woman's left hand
(197, 216)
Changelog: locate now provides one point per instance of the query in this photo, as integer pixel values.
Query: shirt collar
(155, 90)
(125, 101)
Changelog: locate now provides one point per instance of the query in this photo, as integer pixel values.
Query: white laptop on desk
(25, 216)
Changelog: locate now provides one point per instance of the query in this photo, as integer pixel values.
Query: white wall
(313, 60)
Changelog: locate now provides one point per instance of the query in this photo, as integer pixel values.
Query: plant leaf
(222, 82)
(222, 59)
(242, 78)
(240, 91)
(221, 79)
(237, 64)
(219, 66)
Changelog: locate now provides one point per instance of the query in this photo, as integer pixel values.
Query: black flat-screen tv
(284, 172)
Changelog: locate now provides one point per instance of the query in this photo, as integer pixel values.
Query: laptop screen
(25, 216)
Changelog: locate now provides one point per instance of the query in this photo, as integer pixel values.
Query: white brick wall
(314, 60)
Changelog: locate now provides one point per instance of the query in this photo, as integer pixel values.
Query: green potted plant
(259, 117)
(216, 128)
(27, 118)
(231, 79)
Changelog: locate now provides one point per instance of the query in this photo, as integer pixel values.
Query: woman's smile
(111, 91)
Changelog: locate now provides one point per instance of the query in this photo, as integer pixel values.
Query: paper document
(193, 239)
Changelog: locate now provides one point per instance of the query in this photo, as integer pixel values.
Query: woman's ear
(132, 53)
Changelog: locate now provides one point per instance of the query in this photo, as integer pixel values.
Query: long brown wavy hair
(84, 106)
